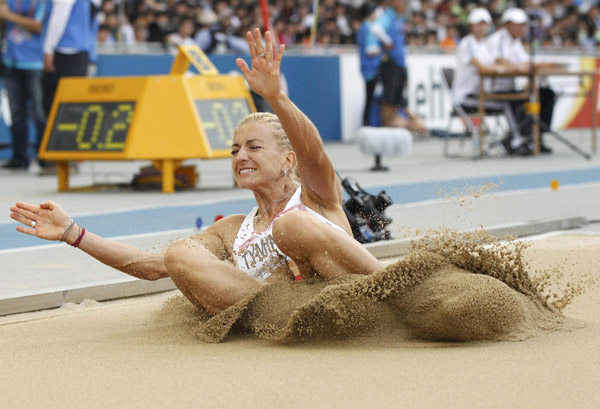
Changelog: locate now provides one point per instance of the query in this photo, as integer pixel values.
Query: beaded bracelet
(81, 234)
(66, 230)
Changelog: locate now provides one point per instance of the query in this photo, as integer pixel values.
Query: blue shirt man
(23, 59)
(392, 21)
(67, 44)
(370, 56)
(390, 30)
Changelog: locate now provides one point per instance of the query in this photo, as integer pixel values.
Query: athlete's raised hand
(263, 77)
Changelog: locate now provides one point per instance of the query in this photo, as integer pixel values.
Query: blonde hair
(282, 139)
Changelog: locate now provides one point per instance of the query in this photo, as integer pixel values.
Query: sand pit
(120, 355)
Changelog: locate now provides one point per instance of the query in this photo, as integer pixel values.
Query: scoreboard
(91, 126)
(165, 119)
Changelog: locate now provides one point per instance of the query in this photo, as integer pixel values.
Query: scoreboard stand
(165, 119)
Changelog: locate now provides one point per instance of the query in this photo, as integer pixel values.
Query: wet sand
(118, 355)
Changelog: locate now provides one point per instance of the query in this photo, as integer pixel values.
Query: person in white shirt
(473, 56)
(508, 50)
(184, 34)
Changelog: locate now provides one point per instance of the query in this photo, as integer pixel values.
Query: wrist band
(66, 230)
(81, 234)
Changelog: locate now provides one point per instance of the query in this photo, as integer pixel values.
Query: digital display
(91, 126)
(219, 119)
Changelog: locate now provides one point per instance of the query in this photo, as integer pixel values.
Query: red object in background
(475, 119)
(265, 14)
(219, 217)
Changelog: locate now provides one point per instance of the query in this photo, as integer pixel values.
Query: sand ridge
(451, 287)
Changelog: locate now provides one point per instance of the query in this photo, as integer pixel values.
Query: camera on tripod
(366, 213)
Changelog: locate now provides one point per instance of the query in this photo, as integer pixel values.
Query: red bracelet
(79, 238)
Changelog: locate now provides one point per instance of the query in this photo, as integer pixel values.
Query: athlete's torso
(255, 251)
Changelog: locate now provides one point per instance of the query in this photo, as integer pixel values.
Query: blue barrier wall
(313, 83)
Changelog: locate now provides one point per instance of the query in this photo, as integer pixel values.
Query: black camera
(366, 213)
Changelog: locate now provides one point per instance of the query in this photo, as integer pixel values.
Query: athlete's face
(257, 158)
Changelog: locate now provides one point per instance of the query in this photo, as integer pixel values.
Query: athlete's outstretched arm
(50, 222)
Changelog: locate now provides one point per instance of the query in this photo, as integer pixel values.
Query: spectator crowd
(218, 25)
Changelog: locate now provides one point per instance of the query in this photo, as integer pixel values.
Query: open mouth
(246, 171)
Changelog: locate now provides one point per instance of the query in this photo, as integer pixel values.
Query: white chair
(465, 112)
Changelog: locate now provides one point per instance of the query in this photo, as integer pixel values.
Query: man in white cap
(507, 49)
(473, 56)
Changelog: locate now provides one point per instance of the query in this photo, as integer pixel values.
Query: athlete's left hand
(263, 78)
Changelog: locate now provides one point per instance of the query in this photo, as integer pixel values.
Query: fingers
(21, 219)
(48, 205)
(243, 66)
(22, 229)
(28, 207)
(258, 44)
(268, 46)
(22, 212)
(278, 57)
(251, 46)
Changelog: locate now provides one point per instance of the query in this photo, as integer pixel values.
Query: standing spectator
(67, 45)
(390, 30)
(23, 58)
(393, 64)
(94, 38)
(370, 55)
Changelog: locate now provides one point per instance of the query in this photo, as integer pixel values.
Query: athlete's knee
(295, 232)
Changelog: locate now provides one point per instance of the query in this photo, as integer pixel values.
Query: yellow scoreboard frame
(165, 119)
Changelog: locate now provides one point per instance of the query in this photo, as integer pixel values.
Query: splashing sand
(452, 286)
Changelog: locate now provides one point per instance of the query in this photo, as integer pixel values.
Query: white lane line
(491, 194)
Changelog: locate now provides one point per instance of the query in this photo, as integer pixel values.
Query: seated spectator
(448, 44)
(558, 22)
(184, 33)
(507, 49)
(473, 56)
(160, 28)
(105, 35)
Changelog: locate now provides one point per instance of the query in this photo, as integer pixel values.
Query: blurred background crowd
(218, 25)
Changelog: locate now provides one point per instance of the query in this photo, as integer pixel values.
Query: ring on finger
(33, 223)
(261, 55)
